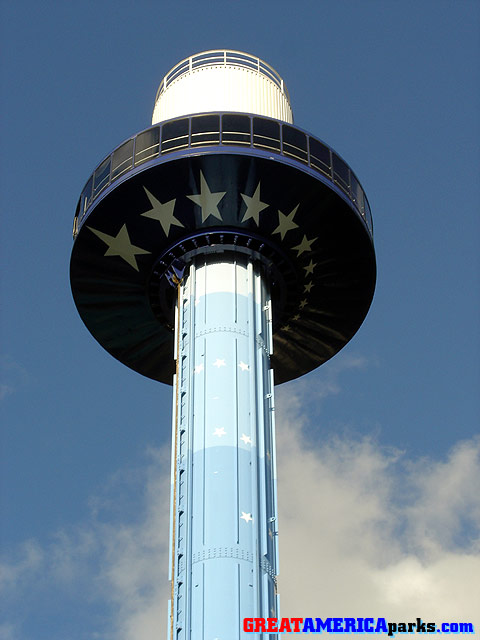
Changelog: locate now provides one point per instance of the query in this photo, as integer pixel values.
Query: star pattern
(308, 287)
(219, 363)
(246, 439)
(309, 268)
(220, 431)
(198, 368)
(254, 206)
(120, 245)
(207, 200)
(297, 317)
(285, 222)
(303, 303)
(243, 366)
(305, 245)
(246, 516)
(162, 212)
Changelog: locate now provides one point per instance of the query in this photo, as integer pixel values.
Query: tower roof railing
(221, 58)
(226, 131)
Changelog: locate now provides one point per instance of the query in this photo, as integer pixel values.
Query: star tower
(221, 250)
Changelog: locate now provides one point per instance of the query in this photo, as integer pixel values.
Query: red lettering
(259, 624)
(271, 624)
(248, 624)
(296, 622)
(285, 625)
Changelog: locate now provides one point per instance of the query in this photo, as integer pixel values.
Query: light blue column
(224, 516)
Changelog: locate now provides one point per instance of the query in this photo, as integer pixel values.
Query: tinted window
(122, 159)
(357, 193)
(320, 157)
(147, 145)
(205, 130)
(85, 198)
(236, 129)
(295, 143)
(266, 134)
(101, 177)
(368, 215)
(175, 135)
(341, 173)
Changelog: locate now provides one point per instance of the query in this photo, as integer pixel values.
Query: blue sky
(378, 450)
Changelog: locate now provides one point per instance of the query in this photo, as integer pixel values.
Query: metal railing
(221, 58)
(224, 130)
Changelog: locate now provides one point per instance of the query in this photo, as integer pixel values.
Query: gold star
(309, 269)
(285, 223)
(286, 328)
(303, 303)
(305, 245)
(297, 317)
(120, 245)
(254, 205)
(207, 200)
(162, 212)
(308, 287)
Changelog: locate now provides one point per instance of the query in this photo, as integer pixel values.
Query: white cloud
(363, 532)
(12, 375)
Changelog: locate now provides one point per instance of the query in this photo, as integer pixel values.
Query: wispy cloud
(12, 376)
(363, 531)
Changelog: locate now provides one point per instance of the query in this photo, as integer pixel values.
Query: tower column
(224, 518)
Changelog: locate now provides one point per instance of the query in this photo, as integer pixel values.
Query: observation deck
(312, 232)
(222, 80)
(229, 133)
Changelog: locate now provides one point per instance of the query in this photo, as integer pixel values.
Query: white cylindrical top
(222, 80)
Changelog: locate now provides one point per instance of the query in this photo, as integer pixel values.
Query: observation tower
(222, 250)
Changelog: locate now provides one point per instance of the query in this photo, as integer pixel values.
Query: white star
(219, 363)
(120, 245)
(308, 287)
(285, 223)
(243, 366)
(309, 268)
(207, 200)
(305, 245)
(303, 303)
(220, 431)
(246, 439)
(246, 516)
(254, 205)
(198, 368)
(162, 212)
(297, 317)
